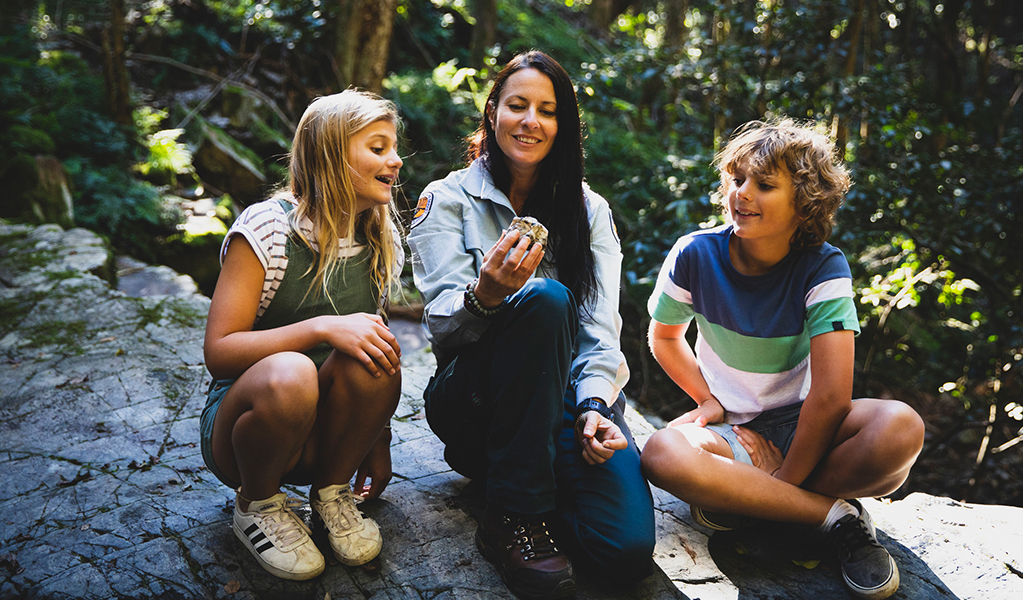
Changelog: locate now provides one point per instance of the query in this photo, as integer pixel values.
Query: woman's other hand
(598, 437)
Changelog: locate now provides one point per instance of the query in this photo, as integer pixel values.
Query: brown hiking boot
(525, 555)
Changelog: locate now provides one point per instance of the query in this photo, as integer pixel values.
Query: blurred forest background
(155, 122)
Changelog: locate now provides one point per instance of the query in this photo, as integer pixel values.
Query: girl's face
(525, 120)
(763, 208)
(373, 155)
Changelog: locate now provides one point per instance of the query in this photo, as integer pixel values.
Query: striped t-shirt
(753, 345)
(264, 226)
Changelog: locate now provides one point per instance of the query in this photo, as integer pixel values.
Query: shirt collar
(478, 182)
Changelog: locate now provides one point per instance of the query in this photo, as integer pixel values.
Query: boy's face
(762, 208)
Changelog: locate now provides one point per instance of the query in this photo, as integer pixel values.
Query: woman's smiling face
(525, 120)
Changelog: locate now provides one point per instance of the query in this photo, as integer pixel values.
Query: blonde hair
(320, 176)
(819, 179)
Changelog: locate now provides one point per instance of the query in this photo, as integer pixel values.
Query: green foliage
(110, 201)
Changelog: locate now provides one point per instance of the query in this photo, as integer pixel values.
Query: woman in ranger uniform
(527, 395)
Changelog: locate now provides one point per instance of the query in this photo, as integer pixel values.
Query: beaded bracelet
(472, 303)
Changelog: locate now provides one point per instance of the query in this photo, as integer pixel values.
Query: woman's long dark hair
(556, 199)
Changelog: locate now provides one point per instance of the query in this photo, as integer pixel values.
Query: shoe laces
(283, 524)
(341, 513)
(532, 538)
(852, 536)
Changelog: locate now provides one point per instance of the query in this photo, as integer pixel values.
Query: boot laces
(533, 539)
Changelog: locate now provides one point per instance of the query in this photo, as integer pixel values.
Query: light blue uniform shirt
(457, 220)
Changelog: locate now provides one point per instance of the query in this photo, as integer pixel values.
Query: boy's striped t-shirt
(753, 345)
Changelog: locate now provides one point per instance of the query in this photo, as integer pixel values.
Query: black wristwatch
(595, 404)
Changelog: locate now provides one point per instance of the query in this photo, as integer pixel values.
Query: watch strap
(595, 404)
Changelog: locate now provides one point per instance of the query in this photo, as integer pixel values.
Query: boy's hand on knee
(705, 414)
(763, 453)
(598, 437)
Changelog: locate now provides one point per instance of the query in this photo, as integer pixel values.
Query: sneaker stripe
(264, 547)
(250, 529)
(257, 538)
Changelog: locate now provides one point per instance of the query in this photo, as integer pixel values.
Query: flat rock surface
(104, 493)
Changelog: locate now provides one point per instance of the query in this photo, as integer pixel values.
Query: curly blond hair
(819, 179)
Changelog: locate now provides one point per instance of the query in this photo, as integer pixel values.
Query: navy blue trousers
(504, 409)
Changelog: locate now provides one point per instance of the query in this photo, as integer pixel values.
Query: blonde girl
(306, 374)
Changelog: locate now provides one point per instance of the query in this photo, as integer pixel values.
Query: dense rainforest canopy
(121, 99)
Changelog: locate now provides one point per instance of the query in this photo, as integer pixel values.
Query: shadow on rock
(780, 561)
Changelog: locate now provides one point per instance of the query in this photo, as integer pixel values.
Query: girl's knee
(290, 387)
(352, 374)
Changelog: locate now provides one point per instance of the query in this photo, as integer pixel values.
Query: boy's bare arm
(670, 348)
(826, 405)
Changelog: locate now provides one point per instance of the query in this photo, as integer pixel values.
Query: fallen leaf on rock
(86, 476)
(233, 586)
(74, 381)
(806, 564)
(107, 339)
(137, 466)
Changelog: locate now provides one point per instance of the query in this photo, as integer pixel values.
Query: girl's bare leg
(353, 409)
(264, 422)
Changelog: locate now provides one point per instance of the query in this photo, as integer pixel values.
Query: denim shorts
(214, 396)
(777, 425)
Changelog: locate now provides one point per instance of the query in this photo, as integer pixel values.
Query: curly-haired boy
(776, 434)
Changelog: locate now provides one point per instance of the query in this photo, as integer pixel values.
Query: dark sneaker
(718, 521)
(525, 555)
(867, 568)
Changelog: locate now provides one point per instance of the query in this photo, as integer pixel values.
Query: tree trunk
(485, 32)
(363, 41)
(604, 12)
(848, 68)
(675, 30)
(115, 72)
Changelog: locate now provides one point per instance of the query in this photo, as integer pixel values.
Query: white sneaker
(278, 538)
(354, 538)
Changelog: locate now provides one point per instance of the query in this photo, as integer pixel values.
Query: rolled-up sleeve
(599, 369)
